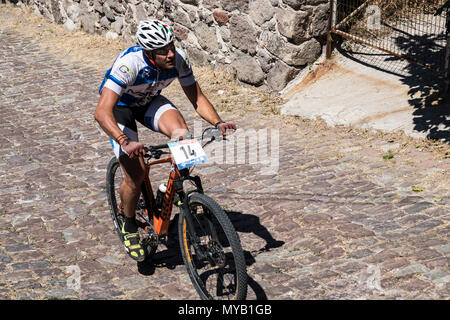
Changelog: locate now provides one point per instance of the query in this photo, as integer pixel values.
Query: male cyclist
(130, 91)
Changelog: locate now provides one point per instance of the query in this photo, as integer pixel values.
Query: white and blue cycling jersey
(137, 81)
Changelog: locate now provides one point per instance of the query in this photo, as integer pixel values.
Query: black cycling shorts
(148, 116)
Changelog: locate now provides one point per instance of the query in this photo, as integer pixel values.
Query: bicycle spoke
(212, 253)
(211, 256)
(147, 233)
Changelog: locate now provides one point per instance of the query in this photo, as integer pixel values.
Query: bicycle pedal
(176, 200)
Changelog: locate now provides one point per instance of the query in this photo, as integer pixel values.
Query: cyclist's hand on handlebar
(225, 126)
(133, 148)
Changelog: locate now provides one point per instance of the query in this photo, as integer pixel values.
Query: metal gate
(414, 30)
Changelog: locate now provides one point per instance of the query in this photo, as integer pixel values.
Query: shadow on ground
(427, 88)
(170, 255)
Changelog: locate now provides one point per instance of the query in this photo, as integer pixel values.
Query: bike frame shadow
(170, 256)
(248, 223)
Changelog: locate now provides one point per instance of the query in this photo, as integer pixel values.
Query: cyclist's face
(165, 57)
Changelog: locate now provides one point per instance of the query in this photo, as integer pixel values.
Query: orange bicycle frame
(161, 219)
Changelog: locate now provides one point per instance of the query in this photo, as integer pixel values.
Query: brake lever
(156, 154)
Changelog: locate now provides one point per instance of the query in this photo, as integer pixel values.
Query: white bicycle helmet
(153, 34)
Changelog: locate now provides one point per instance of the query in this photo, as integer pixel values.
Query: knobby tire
(114, 201)
(233, 273)
(116, 216)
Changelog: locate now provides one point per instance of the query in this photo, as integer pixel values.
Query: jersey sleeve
(185, 74)
(123, 73)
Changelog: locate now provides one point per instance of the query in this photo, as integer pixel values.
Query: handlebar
(211, 134)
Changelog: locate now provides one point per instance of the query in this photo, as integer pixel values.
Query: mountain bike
(210, 246)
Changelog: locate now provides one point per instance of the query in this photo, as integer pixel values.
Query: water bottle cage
(159, 198)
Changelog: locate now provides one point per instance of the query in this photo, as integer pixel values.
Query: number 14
(189, 153)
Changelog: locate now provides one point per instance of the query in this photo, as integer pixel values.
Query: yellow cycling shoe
(133, 245)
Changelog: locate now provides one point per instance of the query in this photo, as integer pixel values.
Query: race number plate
(187, 153)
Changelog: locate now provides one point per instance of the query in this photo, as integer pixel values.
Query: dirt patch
(331, 67)
(243, 102)
(93, 50)
(312, 76)
(381, 115)
(98, 52)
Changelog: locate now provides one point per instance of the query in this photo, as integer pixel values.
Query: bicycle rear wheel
(212, 253)
(114, 177)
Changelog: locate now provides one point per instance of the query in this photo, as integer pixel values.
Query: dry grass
(93, 50)
(227, 95)
(97, 52)
(391, 12)
(399, 7)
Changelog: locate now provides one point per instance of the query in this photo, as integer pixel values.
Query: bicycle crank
(216, 256)
(150, 240)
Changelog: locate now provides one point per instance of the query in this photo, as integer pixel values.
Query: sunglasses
(164, 51)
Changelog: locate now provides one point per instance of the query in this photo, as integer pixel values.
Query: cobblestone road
(336, 221)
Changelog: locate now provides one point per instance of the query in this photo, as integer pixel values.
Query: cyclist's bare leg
(172, 124)
(130, 189)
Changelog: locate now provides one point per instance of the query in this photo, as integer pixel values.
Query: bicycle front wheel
(212, 251)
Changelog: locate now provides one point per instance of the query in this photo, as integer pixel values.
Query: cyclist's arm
(204, 107)
(104, 113)
(105, 118)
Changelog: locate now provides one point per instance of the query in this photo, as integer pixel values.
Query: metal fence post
(447, 52)
(331, 25)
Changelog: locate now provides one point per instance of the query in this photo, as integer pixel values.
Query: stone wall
(261, 42)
